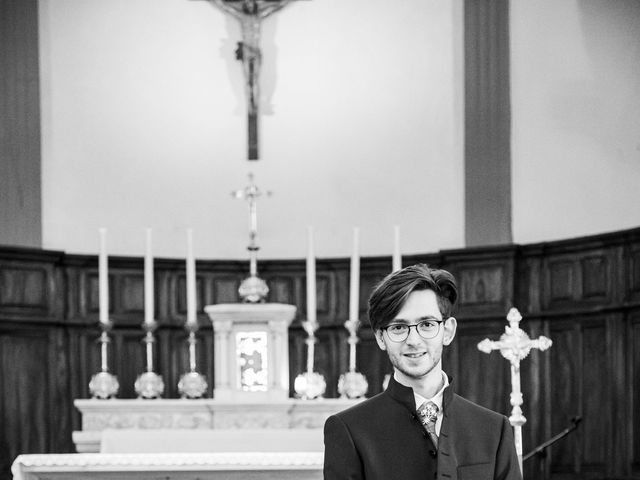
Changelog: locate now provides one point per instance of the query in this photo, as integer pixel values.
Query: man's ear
(380, 339)
(450, 325)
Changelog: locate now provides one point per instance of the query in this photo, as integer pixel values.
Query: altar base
(176, 466)
(180, 414)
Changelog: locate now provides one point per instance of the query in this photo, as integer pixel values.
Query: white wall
(144, 125)
(575, 71)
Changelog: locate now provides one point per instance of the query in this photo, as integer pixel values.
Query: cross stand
(515, 345)
(253, 289)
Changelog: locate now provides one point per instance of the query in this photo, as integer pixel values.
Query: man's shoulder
(461, 406)
(365, 408)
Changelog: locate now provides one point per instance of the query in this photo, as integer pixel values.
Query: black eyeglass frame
(439, 322)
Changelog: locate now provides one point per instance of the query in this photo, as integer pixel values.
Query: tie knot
(428, 412)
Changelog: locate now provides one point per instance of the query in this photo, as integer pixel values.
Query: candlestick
(397, 258)
(352, 355)
(352, 384)
(354, 285)
(311, 341)
(311, 278)
(103, 384)
(149, 384)
(103, 278)
(192, 384)
(148, 281)
(191, 281)
(310, 385)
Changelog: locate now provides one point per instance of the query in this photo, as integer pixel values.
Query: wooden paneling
(24, 287)
(33, 395)
(633, 267)
(584, 294)
(487, 368)
(579, 278)
(632, 411)
(485, 280)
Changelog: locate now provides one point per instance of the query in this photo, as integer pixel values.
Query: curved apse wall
(144, 125)
(575, 72)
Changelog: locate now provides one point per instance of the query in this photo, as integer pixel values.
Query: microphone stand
(540, 449)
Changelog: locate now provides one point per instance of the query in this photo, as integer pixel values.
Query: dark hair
(390, 294)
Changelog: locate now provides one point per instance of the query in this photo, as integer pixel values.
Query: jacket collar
(404, 395)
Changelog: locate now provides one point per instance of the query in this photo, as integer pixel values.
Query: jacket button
(433, 453)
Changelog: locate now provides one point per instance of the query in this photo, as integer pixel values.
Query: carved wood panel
(632, 409)
(584, 277)
(33, 398)
(575, 294)
(485, 282)
(28, 289)
(633, 269)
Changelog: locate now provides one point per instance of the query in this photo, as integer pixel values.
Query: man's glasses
(399, 332)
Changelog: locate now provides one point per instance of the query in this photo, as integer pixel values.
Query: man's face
(417, 357)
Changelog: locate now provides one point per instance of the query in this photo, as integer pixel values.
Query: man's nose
(413, 337)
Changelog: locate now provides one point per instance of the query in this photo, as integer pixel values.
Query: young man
(418, 428)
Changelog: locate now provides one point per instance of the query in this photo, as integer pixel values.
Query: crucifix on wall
(250, 14)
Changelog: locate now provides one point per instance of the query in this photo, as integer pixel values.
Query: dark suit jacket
(382, 438)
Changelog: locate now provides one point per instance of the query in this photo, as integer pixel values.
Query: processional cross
(515, 345)
(250, 14)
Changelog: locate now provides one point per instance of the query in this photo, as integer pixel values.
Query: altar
(176, 466)
(100, 417)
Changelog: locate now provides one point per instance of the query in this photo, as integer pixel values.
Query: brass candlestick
(310, 385)
(352, 384)
(103, 384)
(192, 384)
(149, 384)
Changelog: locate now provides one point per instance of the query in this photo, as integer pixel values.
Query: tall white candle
(354, 284)
(191, 281)
(148, 281)
(396, 262)
(103, 278)
(311, 278)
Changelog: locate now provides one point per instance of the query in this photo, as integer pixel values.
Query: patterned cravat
(428, 413)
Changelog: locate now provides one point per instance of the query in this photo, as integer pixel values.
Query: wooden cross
(250, 14)
(515, 345)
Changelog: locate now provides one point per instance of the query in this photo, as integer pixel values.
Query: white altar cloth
(171, 466)
(208, 441)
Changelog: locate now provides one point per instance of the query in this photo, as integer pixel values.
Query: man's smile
(415, 354)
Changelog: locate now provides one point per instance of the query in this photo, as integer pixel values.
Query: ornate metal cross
(515, 345)
(250, 14)
(252, 289)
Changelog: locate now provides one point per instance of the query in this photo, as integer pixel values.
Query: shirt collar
(437, 398)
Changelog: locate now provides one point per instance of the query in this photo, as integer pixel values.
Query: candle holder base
(192, 385)
(310, 385)
(352, 385)
(149, 385)
(253, 289)
(103, 385)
